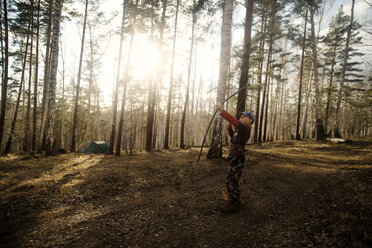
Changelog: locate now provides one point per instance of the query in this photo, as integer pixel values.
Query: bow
(210, 122)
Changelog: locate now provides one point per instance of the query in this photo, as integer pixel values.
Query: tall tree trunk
(215, 150)
(116, 96)
(260, 65)
(343, 72)
(12, 128)
(307, 106)
(150, 114)
(242, 95)
(90, 133)
(330, 88)
(169, 105)
(183, 120)
(44, 110)
(298, 136)
(152, 88)
(27, 137)
(318, 118)
(62, 137)
(36, 80)
(126, 81)
(77, 96)
(50, 142)
(268, 65)
(4, 85)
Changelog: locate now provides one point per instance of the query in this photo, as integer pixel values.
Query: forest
(145, 78)
(303, 78)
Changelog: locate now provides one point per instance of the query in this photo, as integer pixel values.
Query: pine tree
(215, 150)
(4, 83)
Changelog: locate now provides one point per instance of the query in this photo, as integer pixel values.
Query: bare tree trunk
(183, 120)
(115, 103)
(36, 79)
(260, 65)
(242, 95)
(298, 136)
(306, 111)
(343, 72)
(215, 150)
(62, 137)
(268, 65)
(126, 81)
(27, 137)
(77, 96)
(318, 116)
(44, 103)
(167, 124)
(4, 86)
(50, 143)
(12, 128)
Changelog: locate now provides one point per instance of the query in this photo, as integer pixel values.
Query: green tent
(97, 147)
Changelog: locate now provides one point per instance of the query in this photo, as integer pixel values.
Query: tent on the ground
(83, 147)
(97, 147)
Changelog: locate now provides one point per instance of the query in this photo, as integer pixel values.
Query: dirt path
(294, 194)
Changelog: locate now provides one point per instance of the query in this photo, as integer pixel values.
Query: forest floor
(294, 194)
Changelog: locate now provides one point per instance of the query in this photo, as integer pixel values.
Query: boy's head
(246, 118)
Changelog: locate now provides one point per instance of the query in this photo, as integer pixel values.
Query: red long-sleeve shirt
(239, 137)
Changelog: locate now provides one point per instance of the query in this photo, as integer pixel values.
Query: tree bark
(215, 150)
(169, 105)
(116, 96)
(36, 79)
(4, 86)
(298, 136)
(183, 120)
(77, 96)
(343, 72)
(126, 81)
(268, 65)
(330, 88)
(44, 110)
(318, 118)
(260, 65)
(50, 142)
(12, 128)
(27, 137)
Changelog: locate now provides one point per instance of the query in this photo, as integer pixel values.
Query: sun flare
(145, 59)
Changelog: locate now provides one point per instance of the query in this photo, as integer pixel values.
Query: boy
(239, 138)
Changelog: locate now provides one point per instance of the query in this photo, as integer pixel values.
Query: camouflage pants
(234, 171)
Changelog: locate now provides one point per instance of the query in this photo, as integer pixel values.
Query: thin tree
(27, 137)
(14, 121)
(183, 120)
(77, 95)
(242, 95)
(215, 150)
(318, 118)
(298, 136)
(4, 85)
(260, 65)
(50, 146)
(44, 103)
(126, 81)
(152, 94)
(116, 95)
(268, 66)
(170, 93)
(36, 79)
(343, 72)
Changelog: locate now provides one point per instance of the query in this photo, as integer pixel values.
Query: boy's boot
(230, 207)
